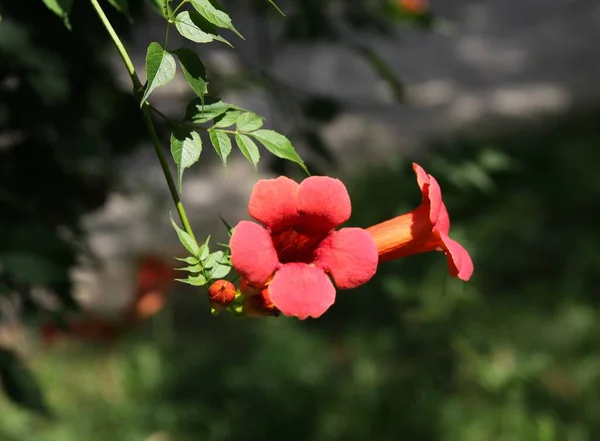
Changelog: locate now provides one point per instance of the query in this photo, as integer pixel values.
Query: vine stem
(137, 89)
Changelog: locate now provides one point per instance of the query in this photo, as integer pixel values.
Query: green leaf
(213, 259)
(192, 269)
(227, 225)
(218, 263)
(213, 12)
(198, 280)
(193, 70)
(228, 119)
(189, 260)
(248, 122)
(248, 148)
(277, 7)
(122, 6)
(200, 112)
(20, 385)
(196, 28)
(204, 250)
(186, 146)
(62, 8)
(279, 145)
(160, 69)
(221, 143)
(186, 240)
(219, 271)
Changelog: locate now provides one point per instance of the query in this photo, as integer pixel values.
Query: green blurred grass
(414, 355)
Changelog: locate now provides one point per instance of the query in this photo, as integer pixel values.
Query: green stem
(163, 116)
(166, 35)
(166, 170)
(137, 88)
(117, 42)
(177, 124)
(178, 8)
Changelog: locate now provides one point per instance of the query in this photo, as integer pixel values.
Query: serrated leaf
(189, 260)
(62, 8)
(228, 119)
(213, 12)
(279, 145)
(160, 69)
(20, 385)
(122, 6)
(198, 280)
(186, 146)
(248, 122)
(193, 70)
(248, 148)
(213, 259)
(196, 28)
(192, 269)
(204, 250)
(222, 144)
(219, 271)
(200, 112)
(186, 240)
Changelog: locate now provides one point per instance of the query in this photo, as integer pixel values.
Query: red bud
(221, 293)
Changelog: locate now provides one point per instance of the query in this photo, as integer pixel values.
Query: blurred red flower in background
(154, 283)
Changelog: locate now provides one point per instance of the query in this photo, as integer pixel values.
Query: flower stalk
(146, 112)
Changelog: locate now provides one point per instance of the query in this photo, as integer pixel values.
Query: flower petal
(434, 196)
(301, 290)
(459, 262)
(422, 176)
(349, 255)
(323, 202)
(431, 192)
(273, 202)
(252, 253)
(443, 221)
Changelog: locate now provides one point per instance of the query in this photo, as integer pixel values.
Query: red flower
(298, 247)
(423, 229)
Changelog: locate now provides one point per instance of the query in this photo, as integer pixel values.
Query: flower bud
(221, 294)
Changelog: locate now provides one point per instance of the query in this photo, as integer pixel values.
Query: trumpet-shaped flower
(424, 229)
(298, 249)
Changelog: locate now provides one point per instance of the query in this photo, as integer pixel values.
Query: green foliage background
(512, 355)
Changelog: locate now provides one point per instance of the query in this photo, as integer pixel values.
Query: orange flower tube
(424, 229)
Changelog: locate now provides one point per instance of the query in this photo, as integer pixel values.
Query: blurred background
(497, 99)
